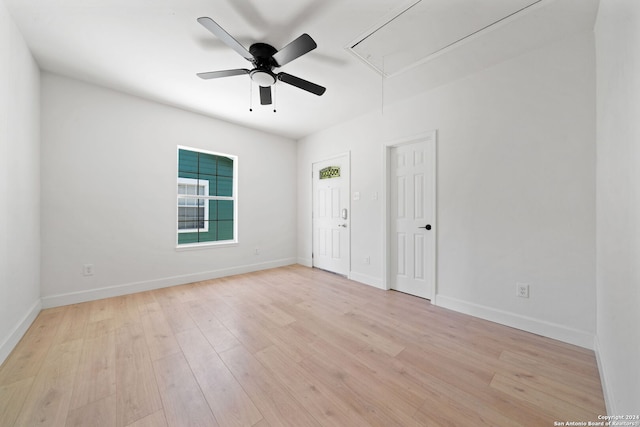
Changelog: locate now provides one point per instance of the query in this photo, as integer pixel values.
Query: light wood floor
(288, 347)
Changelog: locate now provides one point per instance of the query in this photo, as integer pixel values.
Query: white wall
(618, 202)
(19, 186)
(109, 194)
(516, 188)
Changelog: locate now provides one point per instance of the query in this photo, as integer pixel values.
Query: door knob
(342, 225)
(426, 227)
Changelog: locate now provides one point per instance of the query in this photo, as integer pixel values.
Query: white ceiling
(154, 48)
(424, 28)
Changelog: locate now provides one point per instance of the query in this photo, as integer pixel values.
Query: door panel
(412, 175)
(330, 230)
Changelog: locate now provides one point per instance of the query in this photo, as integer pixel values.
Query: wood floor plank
(568, 358)
(294, 347)
(589, 399)
(558, 408)
(99, 413)
(27, 358)
(73, 323)
(360, 394)
(227, 399)
(157, 419)
(275, 403)
(102, 309)
(48, 400)
(440, 388)
(249, 332)
(47, 403)
(174, 304)
(126, 311)
(311, 324)
(354, 330)
(12, 398)
(216, 333)
(551, 370)
(158, 334)
(136, 389)
(182, 399)
(397, 386)
(96, 374)
(310, 393)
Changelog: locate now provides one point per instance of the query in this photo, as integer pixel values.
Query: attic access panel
(422, 28)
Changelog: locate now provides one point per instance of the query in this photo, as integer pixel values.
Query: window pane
(187, 161)
(186, 238)
(213, 210)
(208, 164)
(190, 218)
(190, 175)
(225, 230)
(208, 183)
(225, 166)
(225, 210)
(225, 186)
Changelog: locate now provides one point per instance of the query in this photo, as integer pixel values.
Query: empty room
(319, 213)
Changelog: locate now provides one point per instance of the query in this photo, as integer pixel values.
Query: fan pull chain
(250, 96)
(274, 98)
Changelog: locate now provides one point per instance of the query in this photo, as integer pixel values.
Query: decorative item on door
(330, 172)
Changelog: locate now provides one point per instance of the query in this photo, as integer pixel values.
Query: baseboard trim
(608, 398)
(19, 330)
(528, 324)
(131, 288)
(367, 280)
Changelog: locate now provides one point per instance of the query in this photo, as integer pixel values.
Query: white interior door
(331, 216)
(412, 215)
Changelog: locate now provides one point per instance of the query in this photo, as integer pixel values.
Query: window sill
(206, 245)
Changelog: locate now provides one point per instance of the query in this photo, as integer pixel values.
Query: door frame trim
(386, 158)
(346, 154)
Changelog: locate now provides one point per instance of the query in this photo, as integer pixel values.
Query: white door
(412, 215)
(331, 216)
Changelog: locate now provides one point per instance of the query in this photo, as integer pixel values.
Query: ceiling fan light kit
(264, 58)
(263, 78)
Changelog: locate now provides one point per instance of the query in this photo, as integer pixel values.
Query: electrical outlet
(87, 270)
(257, 251)
(367, 260)
(522, 290)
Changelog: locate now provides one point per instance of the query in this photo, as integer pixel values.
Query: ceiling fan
(264, 58)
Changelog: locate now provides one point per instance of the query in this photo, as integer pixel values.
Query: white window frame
(234, 198)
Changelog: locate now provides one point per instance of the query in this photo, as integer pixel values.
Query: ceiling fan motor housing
(264, 63)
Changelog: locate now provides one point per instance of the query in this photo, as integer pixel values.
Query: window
(206, 197)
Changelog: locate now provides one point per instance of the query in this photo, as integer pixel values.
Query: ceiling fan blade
(295, 49)
(265, 95)
(302, 84)
(220, 33)
(223, 73)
